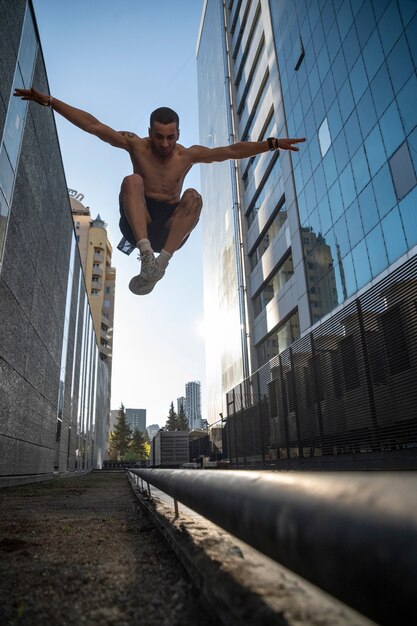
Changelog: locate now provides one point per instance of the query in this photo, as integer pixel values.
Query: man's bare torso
(163, 177)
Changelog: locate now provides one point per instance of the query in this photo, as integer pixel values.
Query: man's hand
(287, 144)
(34, 95)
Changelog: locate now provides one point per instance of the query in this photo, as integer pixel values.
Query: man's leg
(134, 206)
(137, 214)
(184, 219)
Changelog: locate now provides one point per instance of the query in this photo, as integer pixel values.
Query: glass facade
(322, 224)
(224, 361)
(354, 97)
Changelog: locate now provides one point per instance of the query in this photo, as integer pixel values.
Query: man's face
(163, 138)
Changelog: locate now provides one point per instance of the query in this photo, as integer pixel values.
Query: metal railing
(346, 389)
(352, 534)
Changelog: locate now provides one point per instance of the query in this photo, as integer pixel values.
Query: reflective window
(320, 182)
(375, 150)
(349, 277)
(366, 113)
(376, 250)
(346, 102)
(360, 169)
(347, 185)
(351, 48)
(13, 128)
(339, 70)
(361, 262)
(412, 144)
(270, 234)
(368, 208)
(334, 119)
(281, 276)
(381, 88)
(27, 51)
(402, 171)
(373, 55)
(329, 90)
(325, 215)
(400, 64)
(354, 224)
(407, 104)
(394, 235)
(336, 202)
(358, 79)
(353, 134)
(330, 170)
(324, 137)
(341, 154)
(344, 19)
(407, 10)
(390, 27)
(365, 22)
(384, 191)
(341, 236)
(6, 174)
(408, 214)
(391, 129)
(411, 34)
(333, 40)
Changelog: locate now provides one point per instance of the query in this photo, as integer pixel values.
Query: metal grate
(349, 387)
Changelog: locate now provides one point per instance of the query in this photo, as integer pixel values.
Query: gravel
(78, 551)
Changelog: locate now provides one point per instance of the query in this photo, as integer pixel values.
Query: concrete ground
(95, 550)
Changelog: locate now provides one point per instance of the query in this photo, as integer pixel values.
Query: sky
(119, 61)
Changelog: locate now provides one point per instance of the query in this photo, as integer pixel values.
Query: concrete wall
(33, 296)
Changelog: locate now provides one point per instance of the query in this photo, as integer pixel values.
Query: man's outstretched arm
(79, 118)
(241, 150)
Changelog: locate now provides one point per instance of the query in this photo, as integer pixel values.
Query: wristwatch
(273, 143)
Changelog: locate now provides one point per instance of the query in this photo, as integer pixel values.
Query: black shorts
(161, 213)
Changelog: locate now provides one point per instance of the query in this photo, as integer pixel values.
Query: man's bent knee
(192, 195)
(133, 182)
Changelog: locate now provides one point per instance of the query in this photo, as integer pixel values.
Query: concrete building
(54, 398)
(136, 418)
(290, 240)
(193, 404)
(100, 277)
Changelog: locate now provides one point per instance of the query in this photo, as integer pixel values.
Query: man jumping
(154, 217)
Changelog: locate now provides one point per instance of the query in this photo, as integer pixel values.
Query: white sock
(144, 245)
(163, 259)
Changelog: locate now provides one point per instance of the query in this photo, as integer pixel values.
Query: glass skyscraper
(305, 232)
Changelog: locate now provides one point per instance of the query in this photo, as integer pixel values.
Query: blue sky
(119, 61)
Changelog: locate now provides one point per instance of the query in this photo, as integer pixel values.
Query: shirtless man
(154, 217)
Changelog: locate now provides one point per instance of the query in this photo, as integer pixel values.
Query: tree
(182, 419)
(138, 446)
(172, 421)
(121, 436)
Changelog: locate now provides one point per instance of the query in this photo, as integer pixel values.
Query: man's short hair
(164, 115)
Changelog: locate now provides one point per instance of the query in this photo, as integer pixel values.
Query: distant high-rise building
(182, 401)
(152, 430)
(136, 418)
(100, 277)
(291, 238)
(193, 403)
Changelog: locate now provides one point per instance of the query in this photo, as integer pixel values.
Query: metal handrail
(353, 534)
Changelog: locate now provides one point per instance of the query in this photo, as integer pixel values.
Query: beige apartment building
(100, 277)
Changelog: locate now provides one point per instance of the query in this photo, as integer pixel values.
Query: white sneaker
(149, 275)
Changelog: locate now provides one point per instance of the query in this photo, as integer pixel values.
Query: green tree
(182, 419)
(121, 436)
(172, 421)
(138, 446)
